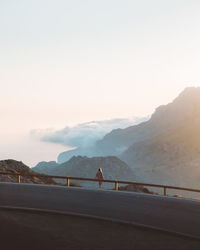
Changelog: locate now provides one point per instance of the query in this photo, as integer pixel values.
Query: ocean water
(30, 151)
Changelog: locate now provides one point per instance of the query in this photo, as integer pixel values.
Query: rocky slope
(18, 167)
(172, 154)
(136, 188)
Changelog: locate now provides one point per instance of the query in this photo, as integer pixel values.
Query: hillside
(43, 165)
(18, 167)
(185, 108)
(78, 166)
(164, 149)
(94, 149)
(173, 154)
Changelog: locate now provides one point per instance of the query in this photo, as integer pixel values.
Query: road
(172, 214)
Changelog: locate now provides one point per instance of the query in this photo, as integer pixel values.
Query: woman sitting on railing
(99, 176)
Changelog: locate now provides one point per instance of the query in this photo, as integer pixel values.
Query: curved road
(172, 214)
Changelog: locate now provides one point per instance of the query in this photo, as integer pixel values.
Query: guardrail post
(116, 186)
(165, 191)
(68, 182)
(18, 179)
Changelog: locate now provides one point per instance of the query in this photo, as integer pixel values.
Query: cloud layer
(84, 134)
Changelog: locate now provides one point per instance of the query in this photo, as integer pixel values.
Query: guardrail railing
(115, 182)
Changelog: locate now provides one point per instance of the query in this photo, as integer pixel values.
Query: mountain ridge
(82, 166)
(118, 141)
(159, 149)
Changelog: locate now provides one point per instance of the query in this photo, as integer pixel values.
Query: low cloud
(84, 134)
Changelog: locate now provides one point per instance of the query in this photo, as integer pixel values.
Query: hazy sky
(64, 62)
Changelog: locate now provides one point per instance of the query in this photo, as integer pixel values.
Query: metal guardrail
(115, 182)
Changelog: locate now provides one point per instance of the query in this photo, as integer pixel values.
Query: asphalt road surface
(171, 214)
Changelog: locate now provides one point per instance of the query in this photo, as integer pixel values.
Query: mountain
(18, 167)
(183, 109)
(172, 154)
(164, 149)
(80, 151)
(45, 164)
(85, 139)
(79, 166)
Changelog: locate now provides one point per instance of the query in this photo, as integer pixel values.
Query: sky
(64, 63)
